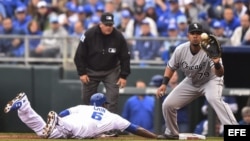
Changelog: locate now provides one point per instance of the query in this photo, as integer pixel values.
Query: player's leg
(72, 126)
(183, 94)
(52, 129)
(213, 92)
(26, 113)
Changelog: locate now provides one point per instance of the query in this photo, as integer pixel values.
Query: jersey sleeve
(124, 58)
(81, 56)
(174, 60)
(120, 123)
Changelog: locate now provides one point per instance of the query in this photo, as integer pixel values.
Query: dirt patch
(34, 136)
(18, 136)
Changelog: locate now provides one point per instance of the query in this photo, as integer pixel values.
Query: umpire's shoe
(52, 120)
(16, 103)
(167, 137)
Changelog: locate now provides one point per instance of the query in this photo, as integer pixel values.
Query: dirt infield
(18, 136)
(33, 137)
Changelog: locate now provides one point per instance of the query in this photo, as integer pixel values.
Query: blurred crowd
(227, 19)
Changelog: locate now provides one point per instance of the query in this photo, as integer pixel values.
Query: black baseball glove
(211, 46)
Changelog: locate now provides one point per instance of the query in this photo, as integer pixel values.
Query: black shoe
(112, 133)
(169, 137)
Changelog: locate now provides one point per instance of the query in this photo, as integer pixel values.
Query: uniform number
(97, 115)
(205, 74)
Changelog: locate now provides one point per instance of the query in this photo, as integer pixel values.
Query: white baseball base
(191, 136)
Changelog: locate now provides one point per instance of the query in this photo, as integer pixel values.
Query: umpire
(103, 56)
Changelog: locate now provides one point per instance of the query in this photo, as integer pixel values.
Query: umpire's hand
(121, 82)
(161, 91)
(84, 79)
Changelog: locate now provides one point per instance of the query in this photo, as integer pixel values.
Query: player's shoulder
(183, 46)
(82, 106)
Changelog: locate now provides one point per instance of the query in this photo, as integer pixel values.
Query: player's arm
(167, 76)
(218, 67)
(64, 113)
(137, 130)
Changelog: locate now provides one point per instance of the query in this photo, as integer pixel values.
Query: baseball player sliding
(204, 76)
(79, 122)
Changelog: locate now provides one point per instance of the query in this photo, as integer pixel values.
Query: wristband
(217, 66)
(165, 80)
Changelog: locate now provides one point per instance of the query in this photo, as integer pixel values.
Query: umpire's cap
(107, 18)
(98, 99)
(195, 27)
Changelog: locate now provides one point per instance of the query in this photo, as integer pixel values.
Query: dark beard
(196, 45)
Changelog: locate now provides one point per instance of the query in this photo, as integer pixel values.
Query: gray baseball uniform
(200, 80)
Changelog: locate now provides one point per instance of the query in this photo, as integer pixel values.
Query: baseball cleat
(16, 103)
(51, 123)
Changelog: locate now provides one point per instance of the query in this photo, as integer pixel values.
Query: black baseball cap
(107, 18)
(195, 27)
(173, 1)
(139, 10)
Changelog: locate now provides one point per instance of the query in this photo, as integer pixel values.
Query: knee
(213, 100)
(41, 135)
(168, 104)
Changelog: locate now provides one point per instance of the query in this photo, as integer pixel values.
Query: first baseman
(204, 76)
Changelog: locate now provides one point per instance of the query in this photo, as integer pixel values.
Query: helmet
(156, 80)
(98, 99)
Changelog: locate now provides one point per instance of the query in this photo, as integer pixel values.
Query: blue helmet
(98, 99)
(156, 80)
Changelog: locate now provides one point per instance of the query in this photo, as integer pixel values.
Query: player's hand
(161, 91)
(121, 82)
(216, 60)
(211, 46)
(16, 42)
(39, 49)
(84, 79)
